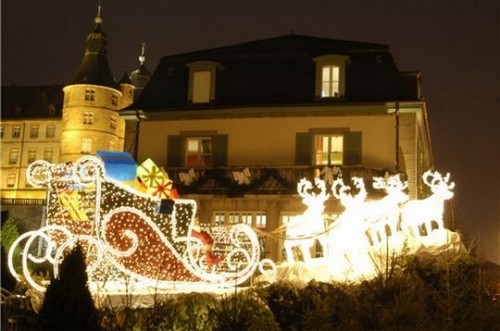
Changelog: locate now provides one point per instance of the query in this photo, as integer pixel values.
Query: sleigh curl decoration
(127, 240)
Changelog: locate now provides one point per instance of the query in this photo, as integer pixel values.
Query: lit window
(34, 131)
(31, 155)
(254, 219)
(330, 76)
(198, 151)
(201, 86)
(13, 156)
(48, 154)
(219, 219)
(89, 94)
(328, 149)
(202, 81)
(260, 221)
(112, 123)
(86, 145)
(11, 180)
(330, 81)
(114, 99)
(88, 117)
(16, 132)
(246, 218)
(51, 131)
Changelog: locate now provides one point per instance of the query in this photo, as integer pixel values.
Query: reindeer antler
(339, 189)
(304, 187)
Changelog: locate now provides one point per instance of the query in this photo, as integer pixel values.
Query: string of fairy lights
(132, 236)
(125, 236)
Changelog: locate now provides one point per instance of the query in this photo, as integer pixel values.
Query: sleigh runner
(129, 235)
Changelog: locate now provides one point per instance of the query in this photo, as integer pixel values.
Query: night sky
(454, 43)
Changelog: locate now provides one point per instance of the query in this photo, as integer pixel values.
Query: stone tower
(90, 114)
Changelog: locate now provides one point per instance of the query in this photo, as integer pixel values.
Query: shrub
(282, 300)
(68, 304)
(243, 312)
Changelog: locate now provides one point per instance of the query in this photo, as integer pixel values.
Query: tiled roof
(31, 101)
(277, 70)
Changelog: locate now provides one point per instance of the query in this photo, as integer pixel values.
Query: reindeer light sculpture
(304, 229)
(424, 212)
(384, 213)
(347, 240)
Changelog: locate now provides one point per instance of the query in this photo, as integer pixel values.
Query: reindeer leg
(289, 251)
(305, 249)
(324, 245)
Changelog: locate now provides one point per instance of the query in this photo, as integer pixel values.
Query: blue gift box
(119, 166)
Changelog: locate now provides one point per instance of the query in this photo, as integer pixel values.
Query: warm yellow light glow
(131, 246)
(304, 229)
(367, 234)
(126, 240)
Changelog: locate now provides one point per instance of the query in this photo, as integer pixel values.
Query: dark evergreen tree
(8, 281)
(68, 304)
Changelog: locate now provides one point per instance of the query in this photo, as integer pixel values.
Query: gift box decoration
(155, 179)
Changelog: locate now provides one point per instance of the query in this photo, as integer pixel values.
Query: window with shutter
(340, 147)
(197, 150)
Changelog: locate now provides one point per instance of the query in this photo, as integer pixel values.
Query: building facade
(63, 123)
(237, 127)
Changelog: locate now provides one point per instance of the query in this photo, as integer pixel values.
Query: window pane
(34, 131)
(14, 154)
(31, 155)
(51, 131)
(219, 218)
(246, 218)
(88, 117)
(86, 146)
(199, 152)
(201, 86)
(329, 149)
(47, 154)
(260, 221)
(11, 180)
(89, 95)
(330, 81)
(337, 143)
(326, 74)
(16, 132)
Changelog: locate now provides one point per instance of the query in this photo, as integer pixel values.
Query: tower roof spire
(98, 18)
(94, 68)
(142, 57)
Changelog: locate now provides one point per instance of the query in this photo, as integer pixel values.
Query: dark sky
(454, 43)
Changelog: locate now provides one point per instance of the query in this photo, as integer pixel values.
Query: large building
(235, 127)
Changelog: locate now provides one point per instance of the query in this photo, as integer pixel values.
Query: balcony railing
(238, 181)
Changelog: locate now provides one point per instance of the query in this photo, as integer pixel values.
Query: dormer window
(330, 81)
(202, 82)
(330, 76)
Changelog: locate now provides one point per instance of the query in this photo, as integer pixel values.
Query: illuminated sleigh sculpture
(127, 240)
